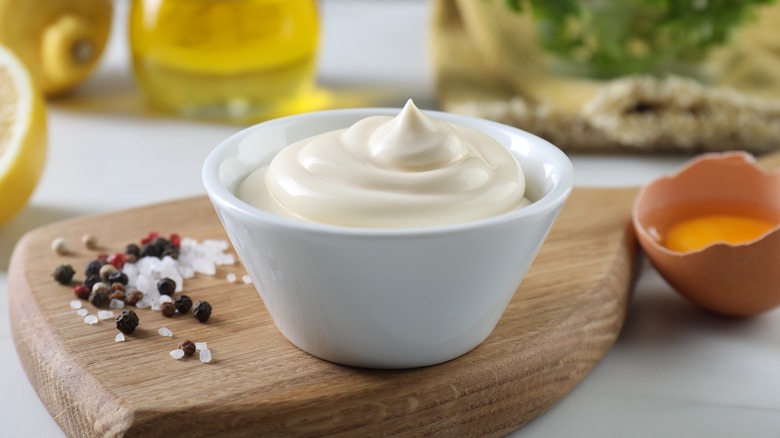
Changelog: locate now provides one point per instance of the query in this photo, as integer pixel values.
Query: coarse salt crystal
(155, 306)
(205, 355)
(177, 353)
(75, 304)
(165, 299)
(91, 319)
(200, 346)
(105, 314)
(165, 331)
(231, 278)
(246, 279)
(116, 304)
(120, 337)
(82, 312)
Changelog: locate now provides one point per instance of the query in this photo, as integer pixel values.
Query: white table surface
(674, 371)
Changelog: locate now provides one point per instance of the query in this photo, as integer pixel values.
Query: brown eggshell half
(735, 280)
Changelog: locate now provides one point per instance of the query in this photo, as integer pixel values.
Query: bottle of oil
(235, 60)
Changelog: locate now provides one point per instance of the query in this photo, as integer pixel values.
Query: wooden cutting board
(566, 315)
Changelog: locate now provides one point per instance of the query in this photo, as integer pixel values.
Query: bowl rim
(221, 195)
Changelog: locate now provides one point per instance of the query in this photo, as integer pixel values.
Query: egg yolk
(699, 232)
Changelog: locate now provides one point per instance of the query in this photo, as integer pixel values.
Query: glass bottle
(234, 60)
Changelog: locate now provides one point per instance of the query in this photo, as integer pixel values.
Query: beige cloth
(488, 65)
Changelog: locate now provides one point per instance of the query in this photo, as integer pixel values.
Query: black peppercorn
(183, 304)
(188, 347)
(166, 286)
(91, 281)
(202, 311)
(64, 274)
(118, 277)
(150, 250)
(167, 309)
(133, 249)
(99, 297)
(127, 321)
(93, 268)
(133, 297)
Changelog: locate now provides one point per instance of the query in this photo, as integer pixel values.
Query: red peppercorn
(81, 291)
(148, 239)
(118, 260)
(175, 240)
(102, 257)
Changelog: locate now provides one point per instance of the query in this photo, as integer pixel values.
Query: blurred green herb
(615, 37)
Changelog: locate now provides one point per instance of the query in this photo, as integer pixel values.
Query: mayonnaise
(405, 171)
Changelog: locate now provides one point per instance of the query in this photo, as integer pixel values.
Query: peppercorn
(127, 321)
(166, 286)
(103, 258)
(60, 246)
(106, 271)
(202, 311)
(117, 294)
(133, 297)
(99, 295)
(118, 277)
(117, 287)
(149, 250)
(117, 260)
(151, 236)
(91, 281)
(183, 304)
(81, 291)
(167, 309)
(133, 249)
(170, 252)
(131, 258)
(175, 240)
(188, 347)
(89, 241)
(64, 274)
(93, 268)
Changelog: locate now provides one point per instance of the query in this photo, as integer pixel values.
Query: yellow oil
(240, 60)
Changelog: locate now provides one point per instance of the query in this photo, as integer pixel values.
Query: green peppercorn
(167, 309)
(127, 321)
(188, 347)
(64, 274)
(166, 286)
(133, 297)
(183, 304)
(202, 311)
(99, 297)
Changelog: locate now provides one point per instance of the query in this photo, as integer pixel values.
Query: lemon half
(22, 135)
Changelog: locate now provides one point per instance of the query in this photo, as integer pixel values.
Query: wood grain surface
(566, 315)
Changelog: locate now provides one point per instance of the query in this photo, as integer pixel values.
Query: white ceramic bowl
(384, 297)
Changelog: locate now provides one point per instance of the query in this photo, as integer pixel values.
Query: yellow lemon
(60, 41)
(22, 135)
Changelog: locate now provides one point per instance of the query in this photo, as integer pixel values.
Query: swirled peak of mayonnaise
(410, 170)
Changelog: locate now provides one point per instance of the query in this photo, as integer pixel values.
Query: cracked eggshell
(734, 280)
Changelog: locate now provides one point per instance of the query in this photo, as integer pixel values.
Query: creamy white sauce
(405, 171)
